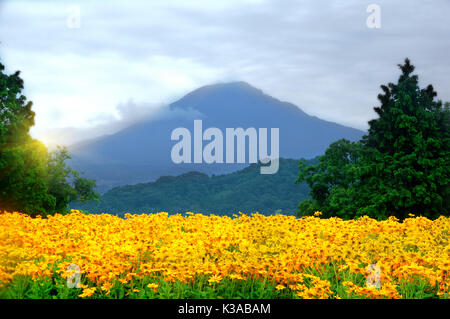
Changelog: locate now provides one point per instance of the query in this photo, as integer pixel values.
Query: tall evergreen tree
(406, 165)
(401, 166)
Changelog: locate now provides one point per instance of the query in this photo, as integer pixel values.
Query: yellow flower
(236, 276)
(87, 292)
(280, 287)
(153, 286)
(106, 286)
(215, 279)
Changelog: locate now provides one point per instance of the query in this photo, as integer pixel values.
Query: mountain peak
(225, 94)
(235, 96)
(237, 87)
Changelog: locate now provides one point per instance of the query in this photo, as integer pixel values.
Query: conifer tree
(400, 167)
(406, 165)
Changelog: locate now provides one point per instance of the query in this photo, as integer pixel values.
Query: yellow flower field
(310, 257)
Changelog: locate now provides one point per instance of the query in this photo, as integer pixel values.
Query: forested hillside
(242, 191)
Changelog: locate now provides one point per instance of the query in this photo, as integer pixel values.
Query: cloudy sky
(126, 58)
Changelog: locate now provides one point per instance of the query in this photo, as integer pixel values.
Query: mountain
(142, 152)
(244, 191)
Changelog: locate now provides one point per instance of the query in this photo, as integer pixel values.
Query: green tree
(331, 179)
(65, 184)
(406, 168)
(22, 158)
(31, 180)
(400, 167)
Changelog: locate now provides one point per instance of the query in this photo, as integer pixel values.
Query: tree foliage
(32, 180)
(334, 174)
(400, 167)
(65, 183)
